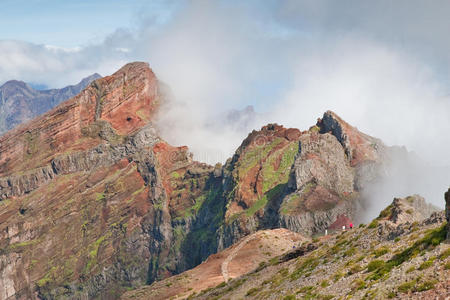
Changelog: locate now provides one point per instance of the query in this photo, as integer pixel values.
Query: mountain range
(19, 102)
(95, 204)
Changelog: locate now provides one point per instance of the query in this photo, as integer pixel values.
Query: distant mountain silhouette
(19, 102)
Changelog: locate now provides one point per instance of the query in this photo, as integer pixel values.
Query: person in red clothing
(351, 225)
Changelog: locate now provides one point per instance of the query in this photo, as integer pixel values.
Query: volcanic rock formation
(19, 102)
(94, 202)
(80, 193)
(359, 263)
(237, 260)
(410, 209)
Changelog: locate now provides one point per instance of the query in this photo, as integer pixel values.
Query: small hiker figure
(351, 225)
(343, 228)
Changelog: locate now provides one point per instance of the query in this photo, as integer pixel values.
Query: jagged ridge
(95, 202)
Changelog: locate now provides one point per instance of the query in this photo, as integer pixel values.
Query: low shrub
(427, 285)
(324, 283)
(373, 224)
(407, 286)
(375, 265)
(425, 265)
(252, 292)
(380, 251)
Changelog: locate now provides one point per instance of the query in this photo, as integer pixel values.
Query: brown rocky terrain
(19, 102)
(303, 181)
(75, 187)
(93, 202)
(410, 209)
(235, 261)
(410, 260)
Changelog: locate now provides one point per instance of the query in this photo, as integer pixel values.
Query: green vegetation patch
(407, 286)
(426, 264)
(274, 193)
(373, 224)
(431, 239)
(427, 285)
(444, 254)
(271, 176)
(375, 265)
(252, 291)
(386, 213)
(305, 266)
(21, 245)
(93, 253)
(99, 196)
(380, 251)
(254, 155)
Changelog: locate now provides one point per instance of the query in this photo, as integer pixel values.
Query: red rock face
(74, 190)
(93, 201)
(20, 103)
(127, 99)
(184, 180)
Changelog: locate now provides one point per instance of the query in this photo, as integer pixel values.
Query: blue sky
(71, 23)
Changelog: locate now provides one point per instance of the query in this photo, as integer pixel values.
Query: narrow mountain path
(233, 253)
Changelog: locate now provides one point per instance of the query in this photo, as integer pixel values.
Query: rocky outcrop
(408, 210)
(343, 265)
(245, 256)
(359, 147)
(84, 211)
(367, 155)
(403, 215)
(303, 181)
(19, 102)
(94, 202)
(447, 211)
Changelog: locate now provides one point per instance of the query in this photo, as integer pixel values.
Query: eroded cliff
(94, 201)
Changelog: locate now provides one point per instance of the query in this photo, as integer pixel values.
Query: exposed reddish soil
(126, 99)
(241, 258)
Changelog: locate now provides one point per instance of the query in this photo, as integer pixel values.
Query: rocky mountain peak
(410, 209)
(15, 87)
(15, 83)
(95, 202)
(267, 133)
(359, 147)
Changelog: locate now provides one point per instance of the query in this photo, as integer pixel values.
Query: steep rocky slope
(80, 193)
(402, 260)
(95, 202)
(237, 260)
(19, 102)
(303, 181)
